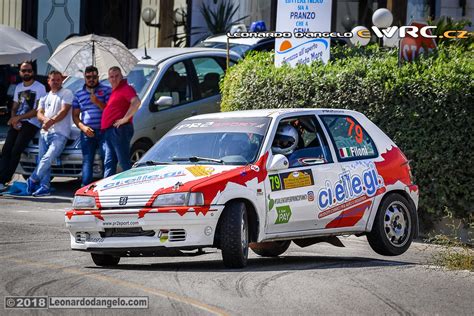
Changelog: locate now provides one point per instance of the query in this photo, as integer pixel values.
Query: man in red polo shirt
(117, 122)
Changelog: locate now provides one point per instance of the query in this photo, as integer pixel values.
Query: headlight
(84, 202)
(179, 199)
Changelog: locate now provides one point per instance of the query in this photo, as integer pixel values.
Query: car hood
(142, 183)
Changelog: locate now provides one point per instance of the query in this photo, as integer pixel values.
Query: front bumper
(69, 164)
(127, 231)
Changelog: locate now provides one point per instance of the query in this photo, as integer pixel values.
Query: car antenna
(146, 54)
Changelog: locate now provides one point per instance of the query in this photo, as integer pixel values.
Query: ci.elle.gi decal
(350, 186)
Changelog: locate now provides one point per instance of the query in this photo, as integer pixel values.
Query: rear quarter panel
(391, 164)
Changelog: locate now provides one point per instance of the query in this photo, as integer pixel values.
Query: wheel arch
(252, 219)
(409, 199)
(145, 140)
(143, 143)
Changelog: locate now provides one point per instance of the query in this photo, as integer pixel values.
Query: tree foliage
(426, 107)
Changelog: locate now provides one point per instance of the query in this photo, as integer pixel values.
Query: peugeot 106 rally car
(252, 179)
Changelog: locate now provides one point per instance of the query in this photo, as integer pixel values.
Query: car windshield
(240, 49)
(139, 78)
(228, 141)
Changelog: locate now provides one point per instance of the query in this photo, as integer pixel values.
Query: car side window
(175, 84)
(302, 141)
(209, 72)
(350, 139)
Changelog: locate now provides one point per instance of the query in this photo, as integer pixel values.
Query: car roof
(270, 113)
(245, 41)
(158, 55)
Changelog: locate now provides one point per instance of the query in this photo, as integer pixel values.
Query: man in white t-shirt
(23, 122)
(54, 112)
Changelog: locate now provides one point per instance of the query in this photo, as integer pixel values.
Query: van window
(175, 84)
(209, 73)
(350, 139)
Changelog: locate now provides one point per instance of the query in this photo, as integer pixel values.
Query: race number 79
(359, 135)
(275, 182)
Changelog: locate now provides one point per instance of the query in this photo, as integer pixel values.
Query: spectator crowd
(103, 114)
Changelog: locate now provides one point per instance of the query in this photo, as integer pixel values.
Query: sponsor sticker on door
(283, 214)
(291, 180)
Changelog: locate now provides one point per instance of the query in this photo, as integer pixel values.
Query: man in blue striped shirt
(87, 114)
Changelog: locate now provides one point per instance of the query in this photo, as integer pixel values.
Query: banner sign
(302, 16)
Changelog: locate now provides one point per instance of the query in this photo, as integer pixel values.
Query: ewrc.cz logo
(349, 187)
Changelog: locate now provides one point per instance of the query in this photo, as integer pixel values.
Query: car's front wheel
(234, 235)
(138, 150)
(270, 248)
(394, 226)
(105, 260)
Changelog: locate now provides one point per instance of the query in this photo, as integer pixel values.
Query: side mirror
(164, 101)
(278, 162)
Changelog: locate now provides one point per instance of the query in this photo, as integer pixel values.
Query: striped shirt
(91, 114)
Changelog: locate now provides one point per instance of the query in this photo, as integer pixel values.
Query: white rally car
(252, 179)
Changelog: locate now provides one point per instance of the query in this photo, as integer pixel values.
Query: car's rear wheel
(103, 260)
(394, 226)
(234, 235)
(270, 248)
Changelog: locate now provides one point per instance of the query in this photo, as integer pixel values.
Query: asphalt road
(320, 279)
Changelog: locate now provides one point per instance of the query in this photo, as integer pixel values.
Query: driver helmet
(234, 144)
(286, 140)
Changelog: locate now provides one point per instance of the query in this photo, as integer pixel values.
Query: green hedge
(426, 107)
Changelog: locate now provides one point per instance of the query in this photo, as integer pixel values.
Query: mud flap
(333, 240)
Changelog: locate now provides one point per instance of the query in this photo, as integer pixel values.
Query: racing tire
(234, 235)
(270, 248)
(394, 226)
(102, 260)
(138, 150)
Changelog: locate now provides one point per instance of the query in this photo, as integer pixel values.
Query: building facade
(181, 21)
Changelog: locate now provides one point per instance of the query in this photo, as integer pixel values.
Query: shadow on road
(46, 199)
(285, 263)
(62, 192)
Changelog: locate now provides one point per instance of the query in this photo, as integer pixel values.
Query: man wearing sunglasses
(87, 107)
(23, 122)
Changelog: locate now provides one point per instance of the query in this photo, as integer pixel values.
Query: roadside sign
(411, 47)
(302, 17)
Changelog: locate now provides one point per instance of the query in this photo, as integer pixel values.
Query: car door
(176, 82)
(354, 191)
(208, 71)
(183, 81)
(292, 194)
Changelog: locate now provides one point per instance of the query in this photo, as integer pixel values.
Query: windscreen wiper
(150, 163)
(196, 159)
